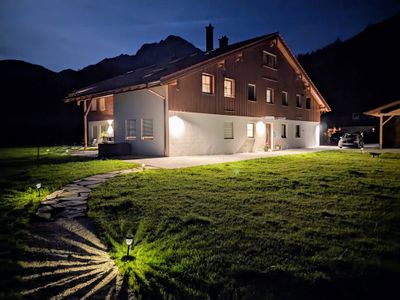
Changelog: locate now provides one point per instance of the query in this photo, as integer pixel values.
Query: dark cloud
(72, 34)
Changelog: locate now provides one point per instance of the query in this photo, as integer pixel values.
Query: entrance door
(268, 135)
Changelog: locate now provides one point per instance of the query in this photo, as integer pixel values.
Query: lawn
(20, 172)
(314, 226)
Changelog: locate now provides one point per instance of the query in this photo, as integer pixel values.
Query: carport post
(380, 131)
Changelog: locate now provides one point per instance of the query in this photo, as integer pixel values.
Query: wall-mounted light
(260, 127)
(176, 126)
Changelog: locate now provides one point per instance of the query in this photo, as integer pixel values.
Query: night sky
(75, 33)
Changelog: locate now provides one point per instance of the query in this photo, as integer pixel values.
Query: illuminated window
(250, 130)
(308, 103)
(298, 101)
(251, 92)
(130, 129)
(284, 99)
(102, 104)
(207, 81)
(270, 95)
(147, 129)
(229, 88)
(297, 131)
(283, 131)
(228, 130)
(269, 60)
(94, 105)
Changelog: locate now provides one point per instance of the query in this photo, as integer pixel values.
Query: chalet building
(248, 96)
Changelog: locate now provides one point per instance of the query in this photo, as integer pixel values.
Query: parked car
(351, 140)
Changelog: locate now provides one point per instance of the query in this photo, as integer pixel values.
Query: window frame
(298, 131)
(130, 137)
(150, 137)
(233, 134)
(272, 96)
(286, 98)
(253, 126)
(267, 54)
(299, 101)
(283, 131)
(308, 103)
(232, 81)
(248, 92)
(212, 83)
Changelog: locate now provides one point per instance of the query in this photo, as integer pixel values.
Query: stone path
(71, 201)
(64, 259)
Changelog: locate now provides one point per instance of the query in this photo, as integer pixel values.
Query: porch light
(128, 240)
(110, 129)
(176, 126)
(260, 127)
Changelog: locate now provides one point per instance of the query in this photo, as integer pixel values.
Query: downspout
(166, 126)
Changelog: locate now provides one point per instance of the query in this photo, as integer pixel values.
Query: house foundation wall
(202, 134)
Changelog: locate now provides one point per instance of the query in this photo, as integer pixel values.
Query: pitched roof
(158, 74)
(153, 74)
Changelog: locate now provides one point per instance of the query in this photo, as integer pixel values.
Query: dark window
(251, 92)
(269, 60)
(355, 116)
(297, 131)
(283, 131)
(308, 103)
(284, 99)
(298, 100)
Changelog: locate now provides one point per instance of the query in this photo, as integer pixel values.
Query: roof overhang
(390, 109)
(75, 96)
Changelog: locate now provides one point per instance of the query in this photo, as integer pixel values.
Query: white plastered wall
(139, 105)
(202, 134)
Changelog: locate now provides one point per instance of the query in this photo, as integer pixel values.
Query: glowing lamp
(38, 186)
(128, 241)
(260, 127)
(177, 126)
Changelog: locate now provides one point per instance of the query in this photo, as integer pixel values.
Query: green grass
(314, 226)
(20, 172)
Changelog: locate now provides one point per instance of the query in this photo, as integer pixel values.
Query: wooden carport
(385, 113)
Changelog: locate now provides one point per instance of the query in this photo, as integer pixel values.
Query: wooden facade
(245, 66)
(99, 114)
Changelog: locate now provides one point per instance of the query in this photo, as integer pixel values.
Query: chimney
(223, 42)
(209, 38)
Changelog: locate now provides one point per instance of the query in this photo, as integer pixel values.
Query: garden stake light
(128, 241)
(38, 186)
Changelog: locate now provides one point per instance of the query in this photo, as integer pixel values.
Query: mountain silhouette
(33, 110)
(358, 74)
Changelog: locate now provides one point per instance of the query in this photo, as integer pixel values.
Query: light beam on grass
(79, 266)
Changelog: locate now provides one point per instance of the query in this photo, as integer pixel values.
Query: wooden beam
(380, 131)
(387, 120)
(86, 109)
